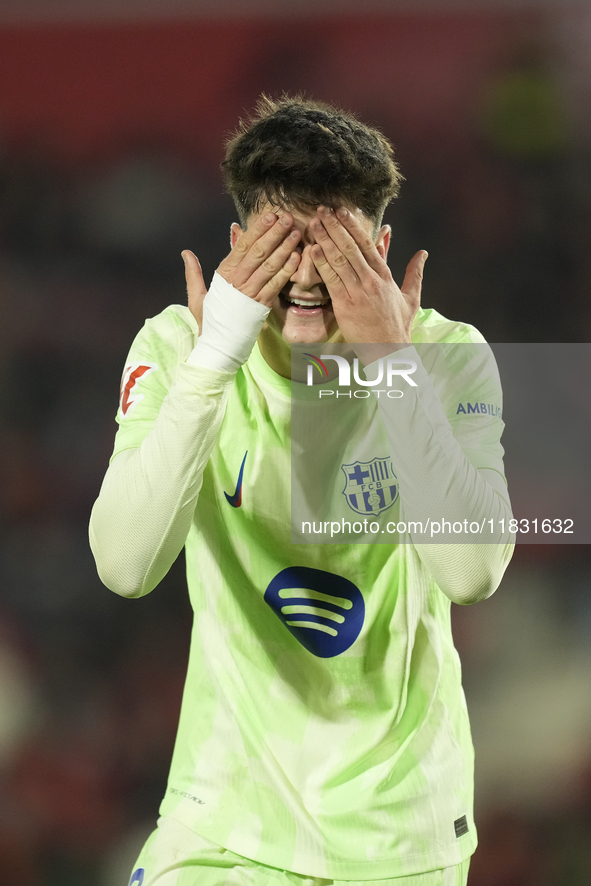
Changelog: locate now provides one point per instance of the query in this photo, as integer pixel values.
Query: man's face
(303, 312)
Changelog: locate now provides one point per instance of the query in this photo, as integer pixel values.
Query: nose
(306, 276)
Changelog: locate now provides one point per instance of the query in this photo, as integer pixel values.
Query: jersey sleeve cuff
(231, 324)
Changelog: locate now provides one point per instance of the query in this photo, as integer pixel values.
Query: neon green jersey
(323, 727)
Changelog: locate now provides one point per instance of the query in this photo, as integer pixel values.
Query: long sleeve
(142, 516)
(452, 474)
(174, 393)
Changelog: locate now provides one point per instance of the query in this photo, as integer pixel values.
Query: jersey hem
(314, 866)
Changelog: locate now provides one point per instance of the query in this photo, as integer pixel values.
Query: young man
(325, 741)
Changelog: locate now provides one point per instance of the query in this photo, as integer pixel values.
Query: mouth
(305, 306)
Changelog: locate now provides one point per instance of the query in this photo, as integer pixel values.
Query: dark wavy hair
(296, 153)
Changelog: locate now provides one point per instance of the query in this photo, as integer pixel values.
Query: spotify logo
(323, 611)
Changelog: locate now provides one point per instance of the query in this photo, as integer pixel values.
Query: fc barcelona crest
(371, 486)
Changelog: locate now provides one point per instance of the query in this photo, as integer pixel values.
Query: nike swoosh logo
(236, 499)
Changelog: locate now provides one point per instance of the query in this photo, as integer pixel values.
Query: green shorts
(175, 856)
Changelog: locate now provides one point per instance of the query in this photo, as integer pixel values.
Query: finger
(259, 251)
(330, 278)
(245, 241)
(271, 266)
(337, 260)
(358, 242)
(273, 287)
(413, 278)
(196, 288)
(263, 248)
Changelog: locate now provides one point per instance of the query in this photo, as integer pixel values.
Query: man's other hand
(367, 303)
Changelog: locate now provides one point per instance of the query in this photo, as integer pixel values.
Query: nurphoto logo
(388, 369)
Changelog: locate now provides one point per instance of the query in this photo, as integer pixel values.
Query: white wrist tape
(231, 324)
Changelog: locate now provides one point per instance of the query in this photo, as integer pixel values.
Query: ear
(383, 241)
(235, 232)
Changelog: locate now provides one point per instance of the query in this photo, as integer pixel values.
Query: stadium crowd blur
(90, 684)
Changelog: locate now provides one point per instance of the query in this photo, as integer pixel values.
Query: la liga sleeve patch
(133, 375)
